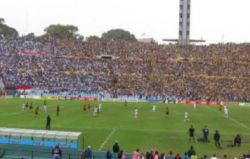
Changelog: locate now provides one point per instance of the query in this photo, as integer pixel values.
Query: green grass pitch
(152, 130)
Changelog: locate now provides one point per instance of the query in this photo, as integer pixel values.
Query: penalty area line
(107, 139)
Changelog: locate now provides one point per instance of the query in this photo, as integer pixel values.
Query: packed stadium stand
(74, 68)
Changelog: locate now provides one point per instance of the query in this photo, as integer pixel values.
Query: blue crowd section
(39, 142)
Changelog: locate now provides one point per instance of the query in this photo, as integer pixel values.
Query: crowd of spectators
(155, 154)
(214, 73)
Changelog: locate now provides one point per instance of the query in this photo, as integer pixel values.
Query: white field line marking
(235, 121)
(239, 123)
(107, 139)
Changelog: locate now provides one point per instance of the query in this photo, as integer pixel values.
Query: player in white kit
(95, 111)
(100, 107)
(23, 107)
(225, 111)
(136, 113)
(154, 108)
(45, 108)
(194, 105)
(186, 118)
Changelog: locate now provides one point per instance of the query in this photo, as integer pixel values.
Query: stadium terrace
(73, 68)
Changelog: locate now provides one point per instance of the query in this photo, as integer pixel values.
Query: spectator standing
(191, 151)
(143, 156)
(157, 155)
(205, 157)
(185, 156)
(116, 149)
(148, 155)
(170, 156)
(57, 152)
(136, 154)
(88, 153)
(213, 157)
(121, 155)
(194, 156)
(177, 156)
(108, 154)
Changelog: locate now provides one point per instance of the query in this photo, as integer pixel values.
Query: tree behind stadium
(6, 30)
(118, 34)
(62, 31)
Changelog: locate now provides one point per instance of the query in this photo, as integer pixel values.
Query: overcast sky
(213, 20)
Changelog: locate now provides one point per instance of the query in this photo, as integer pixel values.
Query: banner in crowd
(200, 102)
(23, 87)
(230, 103)
(244, 104)
(212, 103)
(83, 98)
(28, 53)
(121, 100)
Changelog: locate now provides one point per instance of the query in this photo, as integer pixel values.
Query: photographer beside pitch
(237, 140)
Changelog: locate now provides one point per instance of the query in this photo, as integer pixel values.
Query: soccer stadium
(66, 96)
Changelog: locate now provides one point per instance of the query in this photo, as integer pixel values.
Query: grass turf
(152, 130)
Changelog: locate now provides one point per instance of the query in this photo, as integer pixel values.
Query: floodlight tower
(184, 24)
(184, 21)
